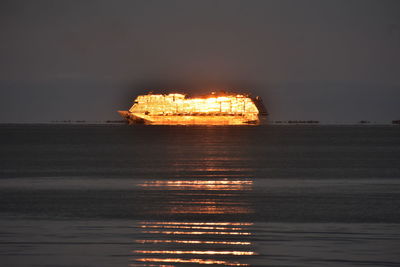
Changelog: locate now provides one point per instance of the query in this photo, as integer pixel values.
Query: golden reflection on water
(206, 252)
(200, 223)
(224, 184)
(209, 210)
(195, 233)
(190, 227)
(155, 241)
(197, 242)
(198, 261)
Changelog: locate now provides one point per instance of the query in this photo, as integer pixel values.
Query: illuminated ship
(178, 109)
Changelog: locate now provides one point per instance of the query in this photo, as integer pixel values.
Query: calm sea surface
(116, 195)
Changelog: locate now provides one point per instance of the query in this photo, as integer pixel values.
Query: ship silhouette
(212, 109)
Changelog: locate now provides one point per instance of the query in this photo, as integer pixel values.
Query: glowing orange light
(198, 261)
(204, 194)
(195, 252)
(195, 233)
(200, 184)
(229, 109)
(155, 241)
(190, 227)
(207, 202)
(209, 210)
(201, 223)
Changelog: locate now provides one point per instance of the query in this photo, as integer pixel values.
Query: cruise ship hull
(216, 119)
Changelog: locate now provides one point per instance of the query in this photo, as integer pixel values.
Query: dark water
(114, 195)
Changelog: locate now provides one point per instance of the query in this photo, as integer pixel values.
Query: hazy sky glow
(334, 61)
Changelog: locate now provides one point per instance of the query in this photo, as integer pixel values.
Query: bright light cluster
(178, 104)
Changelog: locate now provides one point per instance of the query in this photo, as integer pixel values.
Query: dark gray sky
(334, 61)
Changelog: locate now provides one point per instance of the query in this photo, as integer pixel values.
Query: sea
(271, 195)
